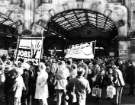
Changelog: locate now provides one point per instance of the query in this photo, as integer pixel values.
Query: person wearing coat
(61, 76)
(18, 88)
(130, 77)
(26, 76)
(41, 92)
(78, 88)
(119, 84)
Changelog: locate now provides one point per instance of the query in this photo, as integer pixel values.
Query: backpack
(111, 91)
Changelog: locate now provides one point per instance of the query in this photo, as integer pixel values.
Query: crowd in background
(66, 81)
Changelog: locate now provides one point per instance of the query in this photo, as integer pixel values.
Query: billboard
(124, 50)
(30, 48)
(81, 51)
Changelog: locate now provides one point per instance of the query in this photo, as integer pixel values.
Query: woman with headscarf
(41, 92)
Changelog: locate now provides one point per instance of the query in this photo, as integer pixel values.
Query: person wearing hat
(119, 84)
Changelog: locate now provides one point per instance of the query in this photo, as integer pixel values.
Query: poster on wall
(123, 50)
(81, 51)
(30, 48)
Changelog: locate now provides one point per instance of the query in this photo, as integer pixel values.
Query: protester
(62, 74)
(119, 84)
(18, 87)
(41, 92)
(130, 77)
(26, 78)
(69, 80)
(80, 87)
(8, 85)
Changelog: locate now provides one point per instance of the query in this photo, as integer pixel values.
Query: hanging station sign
(124, 50)
(30, 48)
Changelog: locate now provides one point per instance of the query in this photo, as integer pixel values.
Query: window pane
(46, 1)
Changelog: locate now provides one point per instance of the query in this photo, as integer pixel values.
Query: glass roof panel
(92, 20)
(77, 18)
(60, 19)
(1, 19)
(68, 13)
(76, 25)
(81, 15)
(68, 25)
(73, 19)
(91, 15)
(8, 22)
(83, 22)
(82, 19)
(65, 24)
(74, 22)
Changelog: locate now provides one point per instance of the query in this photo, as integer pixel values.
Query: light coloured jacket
(120, 80)
(41, 86)
(18, 87)
(61, 77)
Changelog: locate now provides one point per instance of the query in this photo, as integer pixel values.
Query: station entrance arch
(82, 25)
(75, 21)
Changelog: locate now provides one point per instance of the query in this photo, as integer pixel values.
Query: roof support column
(28, 13)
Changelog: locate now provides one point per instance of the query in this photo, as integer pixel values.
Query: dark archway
(81, 25)
(8, 32)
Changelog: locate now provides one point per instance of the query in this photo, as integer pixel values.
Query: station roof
(82, 24)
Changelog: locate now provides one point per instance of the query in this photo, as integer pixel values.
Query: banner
(30, 48)
(3, 52)
(83, 51)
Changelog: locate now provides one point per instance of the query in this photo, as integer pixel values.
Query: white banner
(30, 48)
(3, 52)
(83, 51)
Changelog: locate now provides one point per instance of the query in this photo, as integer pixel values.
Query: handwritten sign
(30, 48)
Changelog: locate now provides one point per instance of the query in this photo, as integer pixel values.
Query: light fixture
(59, 36)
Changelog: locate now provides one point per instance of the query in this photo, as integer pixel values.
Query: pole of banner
(94, 46)
(17, 48)
(32, 49)
(42, 49)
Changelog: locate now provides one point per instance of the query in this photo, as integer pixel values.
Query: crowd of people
(66, 81)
